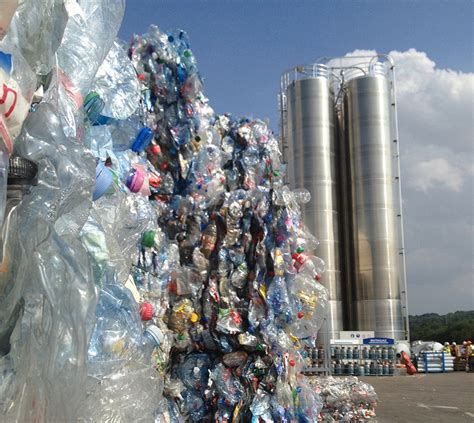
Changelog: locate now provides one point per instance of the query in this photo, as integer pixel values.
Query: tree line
(452, 327)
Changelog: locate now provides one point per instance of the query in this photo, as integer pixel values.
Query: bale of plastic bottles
(345, 399)
(155, 267)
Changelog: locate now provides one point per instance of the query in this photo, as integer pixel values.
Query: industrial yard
(204, 204)
(424, 398)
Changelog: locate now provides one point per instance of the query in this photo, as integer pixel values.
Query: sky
(243, 47)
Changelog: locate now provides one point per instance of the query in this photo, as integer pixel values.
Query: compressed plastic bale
(37, 30)
(48, 293)
(49, 277)
(117, 84)
(89, 34)
(227, 185)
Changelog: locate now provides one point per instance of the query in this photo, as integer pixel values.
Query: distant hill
(457, 327)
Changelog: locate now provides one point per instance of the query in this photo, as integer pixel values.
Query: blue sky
(242, 48)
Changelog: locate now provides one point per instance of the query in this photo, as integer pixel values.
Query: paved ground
(436, 397)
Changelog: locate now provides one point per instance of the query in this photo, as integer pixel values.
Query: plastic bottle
(337, 353)
(385, 369)
(310, 266)
(384, 353)
(301, 195)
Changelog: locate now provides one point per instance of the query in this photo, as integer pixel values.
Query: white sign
(359, 335)
(346, 341)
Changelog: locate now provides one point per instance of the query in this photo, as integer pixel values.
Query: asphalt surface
(435, 397)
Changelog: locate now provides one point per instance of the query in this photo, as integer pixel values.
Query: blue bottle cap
(103, 180)
(93, 106)
(143, 140)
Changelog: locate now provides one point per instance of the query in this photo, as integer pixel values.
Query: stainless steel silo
(311, 154)
(377, 274)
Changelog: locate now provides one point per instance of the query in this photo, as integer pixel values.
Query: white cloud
(436, 173)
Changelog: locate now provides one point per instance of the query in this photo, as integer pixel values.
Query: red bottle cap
(146, 311)
(292, 363)
(300, 315)
(154, 149)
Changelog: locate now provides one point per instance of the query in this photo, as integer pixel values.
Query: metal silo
(376, 270)
(309, 142)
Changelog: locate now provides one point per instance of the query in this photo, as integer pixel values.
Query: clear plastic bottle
(310, 266)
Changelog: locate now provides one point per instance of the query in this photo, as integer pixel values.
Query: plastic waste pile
(154, 265)
(243, 296)
(345, 399)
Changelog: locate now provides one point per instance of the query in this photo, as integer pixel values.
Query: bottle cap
(146, 311)
(103, 180)
(135, 180)
(299, 250)
(300, 315)
(194, 317)
(142, 140)
(154, 149)
(93, 105)
(156, 334)
(148, 238)
(21, 170)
